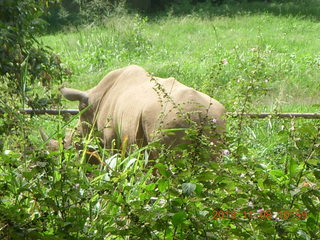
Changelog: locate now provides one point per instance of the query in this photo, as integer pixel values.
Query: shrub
(24, 62)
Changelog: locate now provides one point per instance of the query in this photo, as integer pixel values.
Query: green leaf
(205, 176)
(309, 129)
(57, 176)
(150, 187)
(266, 227)
(277, 173)
(308, 203)
(163, 185)
(184, 174)
(311, 222)
(313, 161)
(188, 188)
(260, 183)
(28, 175)
(241, 201)
(178, 218)
(268, 183)
(198, 189)
(242, 150)
(316, 173)
(293, 169)
(178, 202)
(303, 235)
(162, 169)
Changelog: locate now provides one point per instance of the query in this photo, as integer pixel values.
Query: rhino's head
(53, 145)
(85, 106)
(86, 121)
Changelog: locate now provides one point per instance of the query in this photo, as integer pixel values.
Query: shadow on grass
(298, 8)
(206, 9)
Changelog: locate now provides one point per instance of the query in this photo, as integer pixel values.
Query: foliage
(24, 62)
(255, 191)
(75, 12)
(21, 53)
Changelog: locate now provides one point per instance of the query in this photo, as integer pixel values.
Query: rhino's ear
(74, 94)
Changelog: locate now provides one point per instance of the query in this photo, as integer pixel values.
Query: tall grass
(192, 49)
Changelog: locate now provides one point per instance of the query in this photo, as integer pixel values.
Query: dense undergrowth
(266, 184)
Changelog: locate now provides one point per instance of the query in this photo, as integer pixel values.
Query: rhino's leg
(141, 135)
(107, 137)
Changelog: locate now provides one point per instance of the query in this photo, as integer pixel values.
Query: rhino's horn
(44, 136)
(52, 144)
(74, 94)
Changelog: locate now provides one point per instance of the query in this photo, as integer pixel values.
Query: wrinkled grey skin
(130, 104)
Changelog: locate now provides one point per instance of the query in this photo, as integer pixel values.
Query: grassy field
(212, 54)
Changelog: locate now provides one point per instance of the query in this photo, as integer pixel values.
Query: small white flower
(211, 143)
(250, 204)
(224, 61)
(225, 152)
(275, 217)
(81, 191)
(242, 175)
(214, 120)
(7, 152)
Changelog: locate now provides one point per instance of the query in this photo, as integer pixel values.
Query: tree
(24, 61)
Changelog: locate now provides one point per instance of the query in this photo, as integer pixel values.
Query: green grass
(191, 48)
(280, 53)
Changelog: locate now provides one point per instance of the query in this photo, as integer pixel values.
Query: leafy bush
(250, 193)
(76, 12)
(24, 62)
(81, 12)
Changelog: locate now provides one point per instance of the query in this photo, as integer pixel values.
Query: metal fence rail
(234, 114)
(277, 115)
(49, 111)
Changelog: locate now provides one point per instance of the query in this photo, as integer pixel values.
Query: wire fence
(233, 114)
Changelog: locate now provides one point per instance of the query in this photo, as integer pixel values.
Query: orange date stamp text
(260, 214)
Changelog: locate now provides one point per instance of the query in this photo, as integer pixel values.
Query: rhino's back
(138, 102)
(175, 107)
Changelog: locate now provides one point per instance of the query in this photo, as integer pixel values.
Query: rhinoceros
(131, 104)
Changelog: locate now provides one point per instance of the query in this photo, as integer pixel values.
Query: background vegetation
(251, 56)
